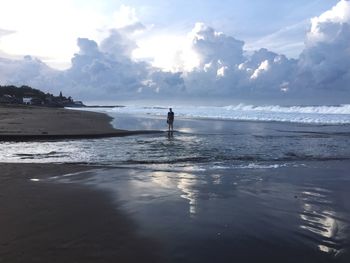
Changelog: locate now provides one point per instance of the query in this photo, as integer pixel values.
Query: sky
(236, 48)
(48, 29)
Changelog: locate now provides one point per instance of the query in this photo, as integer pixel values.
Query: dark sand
(31, 123)
(268, 216)
(295, 214)
(50, 222)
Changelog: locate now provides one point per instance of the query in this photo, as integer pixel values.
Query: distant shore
(19, 122)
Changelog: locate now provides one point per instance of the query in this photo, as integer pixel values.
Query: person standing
(170, 119)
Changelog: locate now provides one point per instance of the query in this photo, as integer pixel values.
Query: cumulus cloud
(97, 72)
(322, 70)
(214, 46)
(321, 26)
(325, 62)
(225, 69)
(117, 45)
(106, 70)
(29, 70)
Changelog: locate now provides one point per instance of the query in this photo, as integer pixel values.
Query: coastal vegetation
(29, 96)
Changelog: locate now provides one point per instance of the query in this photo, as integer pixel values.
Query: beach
(51, 222)
(22, 122)
(214, 190)
(74, 213)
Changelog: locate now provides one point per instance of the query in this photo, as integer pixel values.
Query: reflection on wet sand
(185, 184)
(240, 212)
(321, 221)
(183, 181)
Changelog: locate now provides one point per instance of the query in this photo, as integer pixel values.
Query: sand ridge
(30, 123)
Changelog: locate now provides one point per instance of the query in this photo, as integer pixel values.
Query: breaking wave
(299, 114)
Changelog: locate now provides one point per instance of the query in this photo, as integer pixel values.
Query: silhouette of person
(170, 119)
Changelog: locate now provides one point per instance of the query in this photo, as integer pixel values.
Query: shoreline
(49, 137)
(26, 123)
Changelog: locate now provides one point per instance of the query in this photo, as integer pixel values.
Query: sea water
(205, 138)
(296, 114)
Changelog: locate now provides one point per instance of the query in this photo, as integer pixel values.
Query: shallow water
(196, 144)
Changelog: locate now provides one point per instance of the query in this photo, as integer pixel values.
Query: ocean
(205, 138)
(241, 182)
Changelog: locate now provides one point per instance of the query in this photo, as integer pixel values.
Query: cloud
(214, 46)
(221, 68)
(103, 72)
(321, 73)
(49, 29)
(225, 70)
(4, 32)
(117, 44)
(26, 71)
(320, 26)
(325, 62)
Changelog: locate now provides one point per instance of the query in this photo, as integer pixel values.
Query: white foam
(342, 109)
(262, 166)
(299, 114)
(34, 180)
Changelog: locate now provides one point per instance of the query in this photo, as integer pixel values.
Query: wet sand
(20, 122)
(51, 222)
(296, 213)
(290, 214)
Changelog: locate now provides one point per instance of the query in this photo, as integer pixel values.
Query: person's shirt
(171, 116)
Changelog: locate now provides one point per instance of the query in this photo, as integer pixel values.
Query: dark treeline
(27, 95)
(23, 91)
